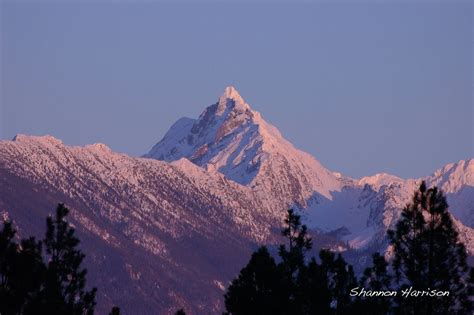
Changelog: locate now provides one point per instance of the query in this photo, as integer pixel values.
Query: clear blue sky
(365, 87)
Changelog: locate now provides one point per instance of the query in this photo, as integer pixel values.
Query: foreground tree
(65, 279)
(376, 278)
(293, 266)
(340, 279)
(29, 285)
(256, 289)
(429, 256)
(314, 295)
(293, 286)
(21, 272)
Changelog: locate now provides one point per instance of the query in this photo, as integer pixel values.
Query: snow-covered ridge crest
(379, 179)
(50, 140)
(46, 139)
(453, 176)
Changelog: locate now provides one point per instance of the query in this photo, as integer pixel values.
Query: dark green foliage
(293, 261)
(314, 295)
(65, 280)
(256, 289)
(116, 311)
(298, 243)
(44, 277)
(294, 286)
(21, 272)
(429, 255)
(376, 278)
(8, 253)
(340, 280)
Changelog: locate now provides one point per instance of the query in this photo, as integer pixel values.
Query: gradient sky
(365, 87)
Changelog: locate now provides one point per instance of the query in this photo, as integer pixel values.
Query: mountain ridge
(174, 226)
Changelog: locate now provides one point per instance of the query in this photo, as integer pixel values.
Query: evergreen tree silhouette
(21, 272)
(180, 312)
(428, 255)
(313, 295)
(376, 278)
(293, 286)
(341, 279)
(8, 253)
(255, 290)
(293, 261)
(29, 286)
(65, 280)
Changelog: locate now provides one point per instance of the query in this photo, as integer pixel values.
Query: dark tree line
(425, 254)
(44, 276)
(293, 286)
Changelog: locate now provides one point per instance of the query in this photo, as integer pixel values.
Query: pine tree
(313, 293)
(293, 260)
(254, 291)
(293, 286)
(341, 279)
(7, 256)
(376, 278)
(21, 272)
(65, 281)
(428, 255)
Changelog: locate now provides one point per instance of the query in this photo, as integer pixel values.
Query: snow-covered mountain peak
(217, 126)
(230, 101)
(453, 176)
(231, 93)
(233, 139)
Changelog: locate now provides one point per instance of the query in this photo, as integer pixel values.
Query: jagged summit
(379, 180)
(229, 126)
(231, 93)
(231, 101)
(232, 138)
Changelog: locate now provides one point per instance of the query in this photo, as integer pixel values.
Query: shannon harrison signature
(408, 292)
